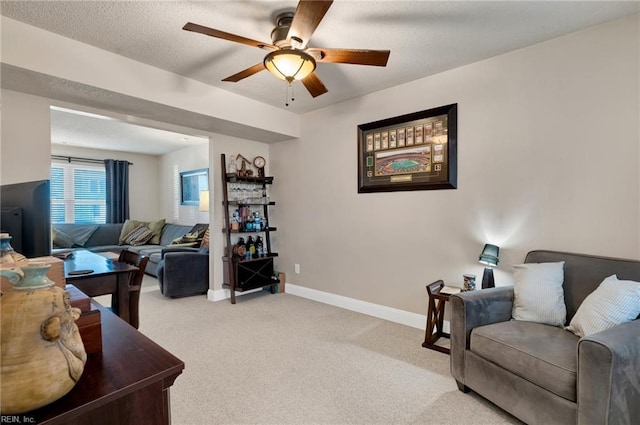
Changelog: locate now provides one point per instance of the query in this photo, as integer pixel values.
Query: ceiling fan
(290, 58)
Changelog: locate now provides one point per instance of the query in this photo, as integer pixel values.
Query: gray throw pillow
(538, 295)
(139, 236)
(612, 303)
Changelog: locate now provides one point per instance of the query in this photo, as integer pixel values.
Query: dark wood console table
(127, 383)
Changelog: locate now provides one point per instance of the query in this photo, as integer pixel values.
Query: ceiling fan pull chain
(292, 92)
(286, 93)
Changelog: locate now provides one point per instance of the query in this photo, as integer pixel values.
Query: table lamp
(489, 257)
(204, 200)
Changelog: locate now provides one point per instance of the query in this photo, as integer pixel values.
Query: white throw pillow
(612, 303)
(538, 294)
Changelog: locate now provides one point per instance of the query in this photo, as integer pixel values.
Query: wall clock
(259, 163)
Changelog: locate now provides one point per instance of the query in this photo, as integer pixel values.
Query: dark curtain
(117, 176)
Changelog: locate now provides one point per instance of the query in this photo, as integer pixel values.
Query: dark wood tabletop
(103, 277)
(83, 260)
(127, 383)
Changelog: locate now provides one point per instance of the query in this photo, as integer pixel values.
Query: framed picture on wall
(191, 183)
(424, 157)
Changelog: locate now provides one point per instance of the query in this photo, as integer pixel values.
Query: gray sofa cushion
(105, 234)
(145, 249)
(105, 248)
(173, 231)
(542, 354)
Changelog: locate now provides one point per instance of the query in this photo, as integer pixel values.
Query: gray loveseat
(544, 374)
(105, 238)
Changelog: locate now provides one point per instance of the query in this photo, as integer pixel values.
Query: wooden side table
(435, 317)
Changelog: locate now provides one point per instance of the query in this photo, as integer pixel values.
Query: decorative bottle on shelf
(249, 225)
(235, 221)
(251, 247)
(232, 168)
(259, 247)
(256, 222)
(239, 248)
(244, 215)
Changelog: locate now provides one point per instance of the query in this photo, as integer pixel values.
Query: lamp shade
(290, 64)
(204, 200)
(489, 255)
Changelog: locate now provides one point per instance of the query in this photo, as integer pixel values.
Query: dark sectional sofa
(105, 238)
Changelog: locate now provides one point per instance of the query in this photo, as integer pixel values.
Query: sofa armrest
(178, 249)
(183, 273)
(470, 310)
(182, 261)
(609, 376)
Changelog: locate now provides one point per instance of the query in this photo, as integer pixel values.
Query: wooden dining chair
(135, 284)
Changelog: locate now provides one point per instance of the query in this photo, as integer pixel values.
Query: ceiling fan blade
(245, 73)
(190, 26)
(306, 19)
(314, 85)
(352, 56)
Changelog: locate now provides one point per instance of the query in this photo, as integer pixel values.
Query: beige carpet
(281, 359)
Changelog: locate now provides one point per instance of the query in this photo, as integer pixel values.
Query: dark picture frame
(191, 183)
(427, 163)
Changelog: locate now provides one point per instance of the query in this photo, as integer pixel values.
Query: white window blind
(78, 193)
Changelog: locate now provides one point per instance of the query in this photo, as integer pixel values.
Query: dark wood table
(127, 383)
(435, 317)
(107, 277)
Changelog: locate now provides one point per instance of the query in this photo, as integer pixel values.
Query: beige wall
(143, 177)
(171, 165)
(548, 158)
(25, 138)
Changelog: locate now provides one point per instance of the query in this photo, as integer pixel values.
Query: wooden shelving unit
(240, 273)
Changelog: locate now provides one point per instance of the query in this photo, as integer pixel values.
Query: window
(78, 194)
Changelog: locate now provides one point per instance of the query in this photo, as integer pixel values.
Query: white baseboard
(224, 294)
(414, 320)
(391, 314)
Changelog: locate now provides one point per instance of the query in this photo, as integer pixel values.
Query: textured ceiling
(424, 37)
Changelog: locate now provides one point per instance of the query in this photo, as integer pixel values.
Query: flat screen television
(33, 199)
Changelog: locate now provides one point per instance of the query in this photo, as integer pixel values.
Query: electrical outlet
(296, 268)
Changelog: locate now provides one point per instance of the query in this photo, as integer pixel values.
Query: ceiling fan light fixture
(290, 64)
